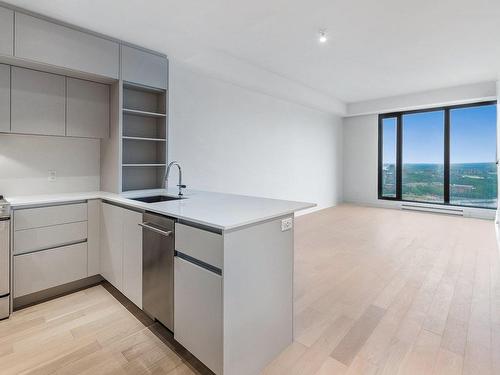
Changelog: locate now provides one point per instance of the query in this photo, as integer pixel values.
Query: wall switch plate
(52, 175)
(286, 224)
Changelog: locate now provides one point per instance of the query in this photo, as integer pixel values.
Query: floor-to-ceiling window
(445, 155)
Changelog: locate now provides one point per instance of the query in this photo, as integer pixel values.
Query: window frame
(399, 152)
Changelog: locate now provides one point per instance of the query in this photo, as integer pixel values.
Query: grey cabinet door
(6, 32)
(198, 312)
(87, 111)
(144, 68)
(53, 44)
(4, 98)
(111, 259)
(132, 256)
(38, 102)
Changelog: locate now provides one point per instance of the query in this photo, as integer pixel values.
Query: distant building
(462, 189)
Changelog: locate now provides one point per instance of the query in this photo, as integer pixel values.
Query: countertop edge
(29, 201)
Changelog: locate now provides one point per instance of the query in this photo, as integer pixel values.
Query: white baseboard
(472, 212)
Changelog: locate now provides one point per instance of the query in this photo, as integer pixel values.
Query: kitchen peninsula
(233, 267)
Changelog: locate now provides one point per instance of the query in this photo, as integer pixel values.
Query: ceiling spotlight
(322, 36)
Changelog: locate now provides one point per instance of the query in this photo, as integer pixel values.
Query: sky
(472, 136)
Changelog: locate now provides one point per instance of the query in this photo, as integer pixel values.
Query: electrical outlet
(52, 176)
(286, 224)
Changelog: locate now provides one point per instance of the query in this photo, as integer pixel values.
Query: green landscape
(471, 184)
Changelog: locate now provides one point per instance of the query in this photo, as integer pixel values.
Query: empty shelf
(139, 87)
(136, 112)
(144, 165)
(145, 139)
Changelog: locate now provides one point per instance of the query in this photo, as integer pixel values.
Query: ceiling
(375, 49)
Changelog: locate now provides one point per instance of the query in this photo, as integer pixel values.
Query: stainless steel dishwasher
(158, 242)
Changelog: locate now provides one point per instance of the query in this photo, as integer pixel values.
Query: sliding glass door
(444, 156)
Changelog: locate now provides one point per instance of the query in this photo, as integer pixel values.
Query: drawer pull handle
(147, 225)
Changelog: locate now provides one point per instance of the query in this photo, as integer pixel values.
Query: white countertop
(217, 210)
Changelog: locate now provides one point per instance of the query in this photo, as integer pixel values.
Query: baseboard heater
(437, 210)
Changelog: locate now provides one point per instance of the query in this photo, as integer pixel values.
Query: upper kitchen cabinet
(144, 68)
(6, 32)
(38, 102)
(87, 111)
(49, 43)
(4, 98)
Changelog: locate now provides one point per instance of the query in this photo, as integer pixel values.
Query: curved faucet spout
(167, 173)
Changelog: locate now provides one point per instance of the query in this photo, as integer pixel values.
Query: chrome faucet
(180, 185)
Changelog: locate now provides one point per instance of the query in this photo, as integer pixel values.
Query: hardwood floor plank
(448, 363)
(314, 357)
(59, 362)
(284, 362)
(421, 358)
(352, 342)
(332, 367)
(455, 332)
(477, 358)
(437, 315)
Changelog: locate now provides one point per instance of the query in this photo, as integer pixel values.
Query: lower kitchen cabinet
(49, 268)
(112, 244)
(132, 256)
(198, 312)
(121, 250)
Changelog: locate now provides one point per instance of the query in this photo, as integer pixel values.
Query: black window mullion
(447, 156)
(399, 159)
(380, 155)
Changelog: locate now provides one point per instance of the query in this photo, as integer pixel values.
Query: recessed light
(322, 36)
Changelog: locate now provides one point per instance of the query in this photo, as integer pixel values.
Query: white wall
(361, 159)
(233, 140)
(25, 161)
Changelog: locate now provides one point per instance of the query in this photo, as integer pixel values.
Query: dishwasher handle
(147, 225)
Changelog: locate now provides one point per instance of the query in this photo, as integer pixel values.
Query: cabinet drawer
(198, 312)
(144, 68)
(29, 240)
(199, 244)
(50, 43)
(47, 216)
(46, 269)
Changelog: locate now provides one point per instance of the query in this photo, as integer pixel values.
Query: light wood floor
(394, 292)
(90, 332)
(376, 292)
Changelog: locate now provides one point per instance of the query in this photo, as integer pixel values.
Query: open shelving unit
(143, 137)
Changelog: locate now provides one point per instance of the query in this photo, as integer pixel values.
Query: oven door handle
(147, 225)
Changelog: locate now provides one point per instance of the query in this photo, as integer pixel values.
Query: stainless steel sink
(157, 198)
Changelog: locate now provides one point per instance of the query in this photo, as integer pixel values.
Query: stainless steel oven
(158, 268)
(4, 259)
